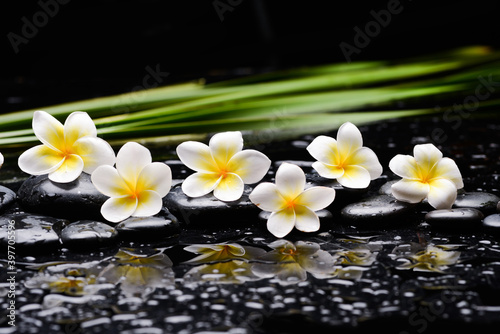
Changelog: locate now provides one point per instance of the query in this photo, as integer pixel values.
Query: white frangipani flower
(67, 149)
(222, 166)
(426, 175)
(289, 203)
(345, 159)
(136, 186)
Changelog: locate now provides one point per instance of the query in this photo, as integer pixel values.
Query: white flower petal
(196, 156)
(349, 139)
(230, 188)
(40, 160)
(324, 149)
(328, 171)
(156, 176)
(1, 159)
(250, 165)
(316, 198)
(149, 203)
(94, 153)
(107, 180)
(281, 223)
(410, 191)
(78, 125)
(290, 180)
(48, 130)
(130, 160)
(404, 166)
(446, 168)
(224, 145)
(199, 184)
(70, 169)
(426, 156)
(442, 194)
(306, 220)
(366, 158)
(355, 177)
(267, 197)
(117, 209)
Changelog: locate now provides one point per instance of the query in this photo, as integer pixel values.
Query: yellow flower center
(291, 204)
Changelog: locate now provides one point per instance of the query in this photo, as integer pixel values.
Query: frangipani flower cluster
(222, 167)
(426, 175)
(345, 159)
(290, 204)
(67, 149)
(137, 185)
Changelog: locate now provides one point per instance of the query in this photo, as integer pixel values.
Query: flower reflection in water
(222, 263)
(290, 262)
(138, 274)
(434, 258)
(67, 278)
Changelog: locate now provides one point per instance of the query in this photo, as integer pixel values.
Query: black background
(96, 48)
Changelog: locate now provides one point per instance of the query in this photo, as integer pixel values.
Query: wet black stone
(454, 219)
(155, 227)
(378, 209)
(88, 234)
(75, 200)
(179, 170)
(385, 189)
(7, 197)
(482, 201)
(491, 223)
(32, 232)
(210, 211)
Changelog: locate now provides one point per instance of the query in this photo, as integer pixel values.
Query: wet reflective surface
(403, 276)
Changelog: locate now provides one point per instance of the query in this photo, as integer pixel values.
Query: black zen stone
(491, 223)
(7, 197)
(482, 201)
(208, 210)
(74, 200)
(386, 188)
(88, 235)
(378, 209)
(33, 232)
(155, 227)
(454, 219)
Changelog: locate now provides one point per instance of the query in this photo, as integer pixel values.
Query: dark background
(95, 48)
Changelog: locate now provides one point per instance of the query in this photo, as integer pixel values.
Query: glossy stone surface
(32, 232)
(375, 209)
(88, 235)
(209, 210)
(7, 198)
(156, 227)
(491, 223)
(453, 219)
(75, 200)
(482, 201)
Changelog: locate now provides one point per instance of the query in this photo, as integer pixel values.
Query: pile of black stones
(61, 223)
